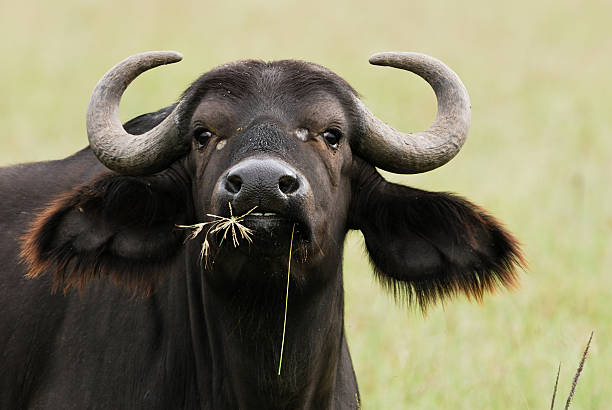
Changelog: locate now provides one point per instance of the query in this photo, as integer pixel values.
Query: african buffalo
(105, 301)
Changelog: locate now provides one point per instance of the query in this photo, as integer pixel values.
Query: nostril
(233, 183)
(288, 184)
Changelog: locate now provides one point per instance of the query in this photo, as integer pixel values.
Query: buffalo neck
(238, 331)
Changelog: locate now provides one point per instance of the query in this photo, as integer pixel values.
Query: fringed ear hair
(426, 246)
(116, 227)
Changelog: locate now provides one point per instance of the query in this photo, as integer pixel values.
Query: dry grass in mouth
(220, 223)
(233, 223)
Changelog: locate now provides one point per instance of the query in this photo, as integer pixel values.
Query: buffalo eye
(332, 137)
(202, 135)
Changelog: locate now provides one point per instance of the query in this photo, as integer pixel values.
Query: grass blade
(280, 361)
(578, 371)
(552, 404)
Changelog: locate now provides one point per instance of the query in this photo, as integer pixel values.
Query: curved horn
(125, 153)
(412, 153)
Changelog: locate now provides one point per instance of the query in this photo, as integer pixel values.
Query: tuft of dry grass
(233, 224)
(218, 224)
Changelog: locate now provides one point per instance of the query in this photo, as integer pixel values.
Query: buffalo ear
(428, 246)
(115, 226)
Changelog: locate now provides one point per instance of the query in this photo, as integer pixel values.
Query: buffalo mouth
(270, 232)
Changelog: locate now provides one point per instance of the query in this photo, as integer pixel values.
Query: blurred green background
(538, 157)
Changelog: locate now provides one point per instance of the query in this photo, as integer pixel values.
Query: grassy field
(539, 157)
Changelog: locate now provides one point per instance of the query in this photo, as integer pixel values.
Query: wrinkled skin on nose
(275, 193)
(268, 183)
